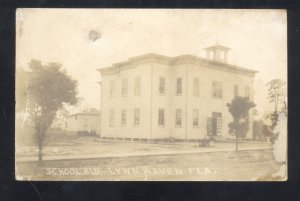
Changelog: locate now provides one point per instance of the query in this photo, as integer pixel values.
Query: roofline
(82, 113)
(217, 45)
(153, 57)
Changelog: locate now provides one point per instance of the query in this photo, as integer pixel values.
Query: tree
(276, 95)
(260, 130)
(21, 90)
(239, 109)
(49, 88)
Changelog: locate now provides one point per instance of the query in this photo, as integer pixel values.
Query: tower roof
(217, 46)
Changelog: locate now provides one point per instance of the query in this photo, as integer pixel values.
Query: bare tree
(276, 95)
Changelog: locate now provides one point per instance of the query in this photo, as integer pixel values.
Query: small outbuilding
(84, 124)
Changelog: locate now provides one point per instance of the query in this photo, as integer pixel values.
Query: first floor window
(161, 117)
(178, 117)
(112, 118)
(195, 118)
(123, 117)
(136, 116)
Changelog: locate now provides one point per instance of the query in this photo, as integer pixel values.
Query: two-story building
(184, 97)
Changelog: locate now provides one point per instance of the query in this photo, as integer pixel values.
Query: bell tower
(218, 53)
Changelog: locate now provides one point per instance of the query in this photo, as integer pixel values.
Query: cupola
(217, 53)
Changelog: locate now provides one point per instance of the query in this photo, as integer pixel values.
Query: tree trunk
(236, 143)
(40, 146)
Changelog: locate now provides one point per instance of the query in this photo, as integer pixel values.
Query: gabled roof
(153, 57)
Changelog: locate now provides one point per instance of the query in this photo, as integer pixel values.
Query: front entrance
(214, 124)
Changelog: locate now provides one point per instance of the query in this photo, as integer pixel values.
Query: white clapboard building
(184, 97)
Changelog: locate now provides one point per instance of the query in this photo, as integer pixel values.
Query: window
(123, 117)
(195, 118)
(236, 90)
(217, 89)
(112, 118)
(136, 116)
(216, 123)
(137, 86)
(196, 86)
(179, 86)
(124, 87)
(161, 117)
(162, 85)
(247, 91)
(112, 88)
(178, 118)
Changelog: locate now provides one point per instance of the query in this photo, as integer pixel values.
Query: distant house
(59, 124)
(83, 124)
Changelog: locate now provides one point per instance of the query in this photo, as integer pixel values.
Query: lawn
(86, 146)
(224, 166)
(218, 162)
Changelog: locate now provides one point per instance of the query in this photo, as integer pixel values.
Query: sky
(257, 38)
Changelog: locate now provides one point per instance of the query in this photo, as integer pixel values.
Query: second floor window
(161, 117)
(235, 90)
(217, 89)
(179, 86)
(247, 92)
(112, 88)
(178, 118)
(162, 85)
(123, 118)
(136, 116)
(111, 118)
(195, 118)
(124, 87)
(137, 86)
(196, 86)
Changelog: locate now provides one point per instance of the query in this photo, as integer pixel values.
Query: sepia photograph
(151, 95)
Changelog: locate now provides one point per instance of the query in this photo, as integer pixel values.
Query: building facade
(158, 97)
